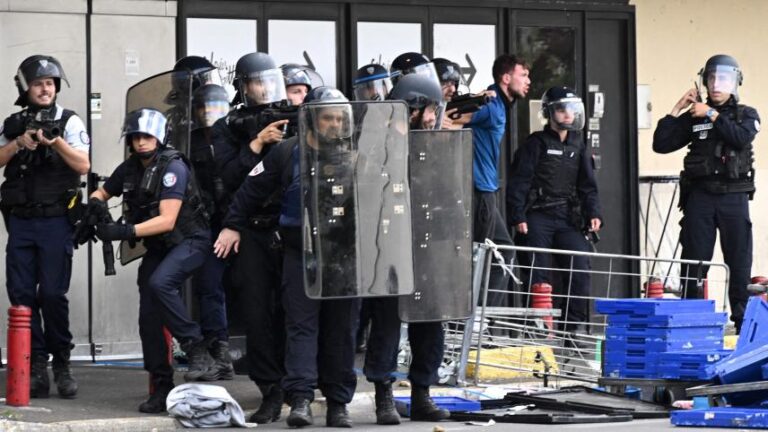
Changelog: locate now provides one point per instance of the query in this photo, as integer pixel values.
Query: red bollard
(19, 351)
(541, 298)
(654, 288)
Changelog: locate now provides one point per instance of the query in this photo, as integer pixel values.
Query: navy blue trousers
(209, 288)
(552, 229)
(256, 275)
(426, 340)
(320, 343)
(38, 264)
(161, 275)
(489, 224)
(704, 214)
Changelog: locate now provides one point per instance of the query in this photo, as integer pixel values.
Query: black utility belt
(545, 205)
(39, 211)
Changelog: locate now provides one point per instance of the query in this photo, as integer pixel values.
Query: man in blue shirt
(511, 82)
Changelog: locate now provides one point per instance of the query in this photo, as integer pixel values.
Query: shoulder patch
(757, 126)
(84, 138)
(258, 169)
(169, 179)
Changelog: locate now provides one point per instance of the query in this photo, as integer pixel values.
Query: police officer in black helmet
(239, 145)
(44, 149)
(552, 196)
(210, 102)
(371, 83)
(164, 211)
(717, 180)
(424, 99)
(320, 334)
(299, 80)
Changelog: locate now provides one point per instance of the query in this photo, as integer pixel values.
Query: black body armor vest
(40, 178)
(141, 191)
(554, 182)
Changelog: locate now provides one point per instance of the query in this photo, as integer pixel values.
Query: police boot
(199, 359)
(271, 404)
(156, 402)
(62, 375)
(423, 408)
(222, 368)
(386, 414)
(301, 413)
(337, 415)
(38, 379)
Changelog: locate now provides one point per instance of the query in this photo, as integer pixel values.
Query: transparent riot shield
(170, 93)
(355, 199)
(441, 205)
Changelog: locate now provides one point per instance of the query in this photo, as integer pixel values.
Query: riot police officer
(210, 102)
(717, 180)
(449, 74)
(44, 149)
(552, 196)
(299, 80)
(165, 212)
(371, 83)
(320, 334)
(240, 142)
(424, 99)
(412, 63)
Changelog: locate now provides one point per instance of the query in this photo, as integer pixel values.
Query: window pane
(305, 42)
(472, 46)
(551, 54)
(381, 42)
(222, 41)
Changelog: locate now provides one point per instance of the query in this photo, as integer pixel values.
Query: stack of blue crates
(662, 338)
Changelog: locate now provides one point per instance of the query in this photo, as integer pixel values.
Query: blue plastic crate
(639, 307)
(713, 343)
(451, 403)
(754, 328)
(630, 356)
(731, 417)
(663, 333)
(742, 367)
(630, 370)
(674, 372)
(693, 360)
(672, 320)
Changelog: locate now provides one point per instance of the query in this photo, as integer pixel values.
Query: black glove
(96, 208)
(115, 231)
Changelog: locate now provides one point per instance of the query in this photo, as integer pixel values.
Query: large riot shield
(171, 94)
(441, 203)
(355, 200)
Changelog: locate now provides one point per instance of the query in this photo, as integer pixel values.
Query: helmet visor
(568, 114)
(262, 87)
(39, 69)
(376, 90)
(722, 78)
(205, 114)
(329, 121)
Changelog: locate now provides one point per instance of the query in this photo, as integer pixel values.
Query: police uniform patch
(84, 138)
(169, 179)
(258, 169)
(757, 126)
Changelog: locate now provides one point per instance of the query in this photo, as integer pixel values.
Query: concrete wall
(674, 40)
(120, 30)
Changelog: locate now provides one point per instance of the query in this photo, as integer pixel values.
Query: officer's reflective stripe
(555, 152)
